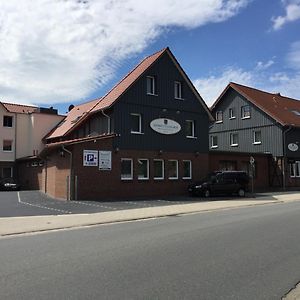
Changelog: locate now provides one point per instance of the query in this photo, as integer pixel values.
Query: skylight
(296, 112)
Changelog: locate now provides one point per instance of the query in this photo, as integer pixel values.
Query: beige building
(22, 129)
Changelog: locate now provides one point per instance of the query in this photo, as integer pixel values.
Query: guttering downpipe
(108, 120)
(284, 158)
(71, 171)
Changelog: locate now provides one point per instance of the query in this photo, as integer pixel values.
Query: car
(221, 183)
(9, 184)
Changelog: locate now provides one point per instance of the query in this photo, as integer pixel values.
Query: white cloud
(211, 87)
(293, 57)
(261, 76)
(264, 65)
(62, 50)
(292, 13)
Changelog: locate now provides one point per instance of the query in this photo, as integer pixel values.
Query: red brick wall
(261, 160)
(98, 184)
(57, 171)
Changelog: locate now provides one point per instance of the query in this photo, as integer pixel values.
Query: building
(148, 136)
(251, 121)
(21, 133)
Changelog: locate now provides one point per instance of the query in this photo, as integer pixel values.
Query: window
(7, 145)
(256, 137)
(178, 90)
(187, 169)
(158, 167)
(136, 123)
(231, 113)
(143, 169)
(190, 128)
(295, 169)
(234, 139)
(173, 169)
(151, 85)
(246, 112)
(7, 121)
(7, 172)
(219, 116)
(214, 141)
(126, 169)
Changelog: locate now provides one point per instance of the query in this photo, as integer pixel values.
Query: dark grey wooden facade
(162, 105)
(271, 131)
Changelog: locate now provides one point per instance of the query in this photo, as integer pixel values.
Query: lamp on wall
(160, 152)
(117, 149)
(197, 153)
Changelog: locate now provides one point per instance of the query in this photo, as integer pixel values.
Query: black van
(221, 183)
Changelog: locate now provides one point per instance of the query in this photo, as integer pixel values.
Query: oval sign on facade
(293, 147)
(165, 126)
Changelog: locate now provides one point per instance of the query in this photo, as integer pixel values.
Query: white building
(22, 129)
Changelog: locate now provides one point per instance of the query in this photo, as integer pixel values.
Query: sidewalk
(19, 225)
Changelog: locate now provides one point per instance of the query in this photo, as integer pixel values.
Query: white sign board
(90, 158)
(105, 160)
(293, 147)
(165, 126)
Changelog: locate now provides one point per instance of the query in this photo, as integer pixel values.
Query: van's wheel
(206, 193)
(241, 193)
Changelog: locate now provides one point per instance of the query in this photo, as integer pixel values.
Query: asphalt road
(250, 253)
(35, 203)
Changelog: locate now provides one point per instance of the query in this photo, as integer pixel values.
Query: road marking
(95, 205)
(41, 206)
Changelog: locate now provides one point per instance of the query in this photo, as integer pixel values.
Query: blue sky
(54, 53)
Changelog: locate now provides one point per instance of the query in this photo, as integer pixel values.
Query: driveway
(35, 203)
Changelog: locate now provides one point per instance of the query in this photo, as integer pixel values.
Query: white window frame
(293, 167)
(143, 178)
(140, 123)
(232, 144)
(179, 95)
(173, 178)
(219, 112)
(193, 129)
(212, 145)
(7, 151)
(243, 112)
(255, 142)
(190, 163)
(12, 121)
(232, 114)
(153, 86)
(163, 169)
(131, 177)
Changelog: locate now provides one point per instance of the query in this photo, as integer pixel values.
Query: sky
(62, 52)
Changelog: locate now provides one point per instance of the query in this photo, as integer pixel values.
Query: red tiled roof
(19, 108)
(76, 141)
(71, 120)
(114, 94)
(280, 108)
(91, 107)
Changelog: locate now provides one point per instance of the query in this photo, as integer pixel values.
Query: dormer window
(178, 90)
(246, 112)
(151, 85)
(219, 116)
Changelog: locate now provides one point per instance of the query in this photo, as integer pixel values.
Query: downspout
(15, 149)
(71, 172)
(108, 120)
(284, 158)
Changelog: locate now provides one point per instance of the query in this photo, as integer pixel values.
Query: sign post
(252, 162)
